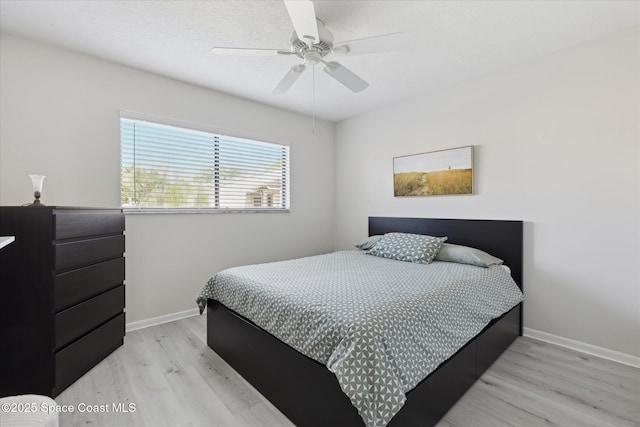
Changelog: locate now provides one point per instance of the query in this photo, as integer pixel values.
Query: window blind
(165, 167)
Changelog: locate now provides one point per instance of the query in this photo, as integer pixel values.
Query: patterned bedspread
(380, 325)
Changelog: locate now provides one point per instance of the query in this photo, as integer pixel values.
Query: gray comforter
(380, 325)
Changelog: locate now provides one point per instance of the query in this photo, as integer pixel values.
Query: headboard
(499, 238)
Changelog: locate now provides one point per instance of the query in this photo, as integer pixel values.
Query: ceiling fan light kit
(312, 42)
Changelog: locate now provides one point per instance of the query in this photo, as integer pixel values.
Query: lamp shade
(37, 180)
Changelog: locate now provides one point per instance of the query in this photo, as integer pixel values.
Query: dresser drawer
(78, 320)
(78, 285)
(71, 223)
(76, 359)
(80, 253)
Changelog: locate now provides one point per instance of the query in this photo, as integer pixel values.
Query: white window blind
(168, 167)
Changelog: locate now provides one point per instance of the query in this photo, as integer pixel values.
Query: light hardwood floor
(173, 379)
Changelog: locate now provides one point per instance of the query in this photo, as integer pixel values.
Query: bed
(310, 395)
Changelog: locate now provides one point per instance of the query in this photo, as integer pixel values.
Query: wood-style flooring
(171, 378)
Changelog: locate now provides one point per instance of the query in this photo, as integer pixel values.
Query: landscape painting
(435, 173)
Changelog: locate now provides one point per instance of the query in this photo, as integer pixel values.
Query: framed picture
(433, 174)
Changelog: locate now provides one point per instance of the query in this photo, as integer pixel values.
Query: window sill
(153, 211)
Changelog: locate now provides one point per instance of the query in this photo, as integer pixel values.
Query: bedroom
(556, 141)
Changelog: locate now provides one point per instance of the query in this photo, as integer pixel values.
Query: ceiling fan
(312, 43)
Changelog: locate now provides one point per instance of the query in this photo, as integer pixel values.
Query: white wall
(557, 144)
(59, 116)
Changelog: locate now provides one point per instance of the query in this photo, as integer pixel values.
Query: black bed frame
(309, 395)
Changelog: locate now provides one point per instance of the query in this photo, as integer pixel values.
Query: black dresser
(61, 295)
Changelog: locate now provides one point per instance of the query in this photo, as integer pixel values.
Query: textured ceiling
(448, 41)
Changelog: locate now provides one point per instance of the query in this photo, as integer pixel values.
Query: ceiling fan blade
(345, 76)
(303, 18)
(289, 79)
(236, 51)
(375, 44)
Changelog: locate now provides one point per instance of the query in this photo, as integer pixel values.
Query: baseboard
(141, 324)
(594, 350)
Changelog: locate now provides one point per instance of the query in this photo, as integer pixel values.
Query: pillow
(408, 247)
(466, 255)
(368, 243)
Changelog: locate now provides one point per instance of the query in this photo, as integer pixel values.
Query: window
(167, 167)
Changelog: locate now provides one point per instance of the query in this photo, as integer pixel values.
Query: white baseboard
(141, 324)
(605, 353)
(594, 350)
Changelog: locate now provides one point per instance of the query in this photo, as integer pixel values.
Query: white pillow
(466, 255)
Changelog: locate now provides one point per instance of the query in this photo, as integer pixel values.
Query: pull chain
(313, 85)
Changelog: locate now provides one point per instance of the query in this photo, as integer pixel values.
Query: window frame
(217, 134)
